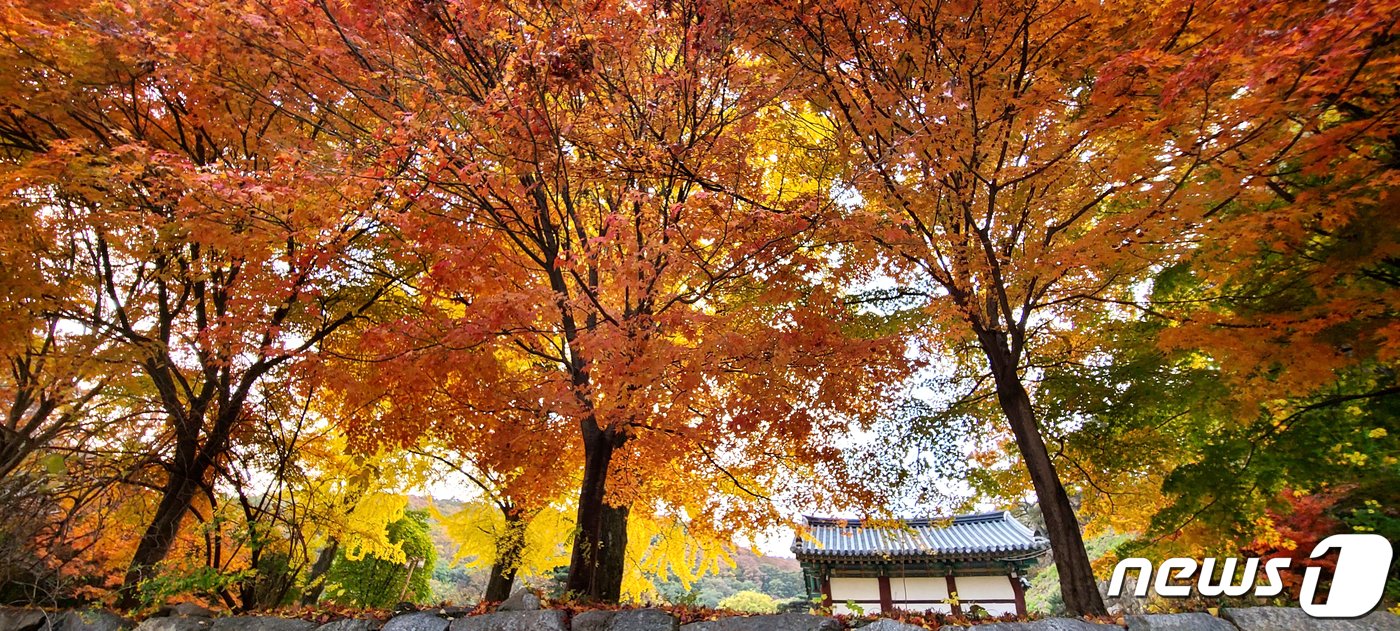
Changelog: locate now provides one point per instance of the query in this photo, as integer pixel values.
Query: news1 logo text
(1363, 562)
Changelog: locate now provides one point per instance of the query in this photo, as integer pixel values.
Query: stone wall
(522, 613)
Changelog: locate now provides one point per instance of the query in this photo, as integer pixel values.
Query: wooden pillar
(886, 595)
(953, 589)
(826, 589)
(1020, 592)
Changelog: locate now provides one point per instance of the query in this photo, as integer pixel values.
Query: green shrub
(750, 602)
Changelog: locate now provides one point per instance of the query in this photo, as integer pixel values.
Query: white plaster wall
(844, 589)
(924, 593)
(923, 588)
(972, 588)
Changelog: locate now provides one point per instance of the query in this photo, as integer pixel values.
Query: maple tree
(1265, 352)
(56, 377)
(1030, 162)
(1297, 314)
(482, 416)
(626, 249)
(606, 211)
(290, 500)
(55, 369)
(222, 233)
(60, 391)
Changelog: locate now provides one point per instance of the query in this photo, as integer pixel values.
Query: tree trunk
(501, 579)
(1077, 584)
(595, 567)
(614, 557)
(155, 543)
(316, 579)
(508, 550)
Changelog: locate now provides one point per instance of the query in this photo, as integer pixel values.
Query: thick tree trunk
(508, 550)
(1077, 584)
(595, 568)
(501, 579)
(614, 557)
(175, 501)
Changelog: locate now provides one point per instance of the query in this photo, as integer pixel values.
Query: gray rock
(885, 624)
(1178, 622)
(176, 624)
(1048, 624)
(776, 622)
(89, 620)
(1271, 618)
(191, 609)
(521, 600)
(417, 621)
(546, 620)
(644, 620)
(593, 620)
(350, 624)
(1379, 620)
(625, 620)
(452, 611)
(1127, 602)
(262, 623)
(22, 619)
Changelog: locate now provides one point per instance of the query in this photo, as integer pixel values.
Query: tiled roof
(984, 536)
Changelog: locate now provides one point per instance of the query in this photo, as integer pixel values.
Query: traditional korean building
(915, 564)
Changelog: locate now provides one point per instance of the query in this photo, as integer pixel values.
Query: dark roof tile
(995, 535)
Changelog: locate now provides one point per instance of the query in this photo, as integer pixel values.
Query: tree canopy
(638, 280)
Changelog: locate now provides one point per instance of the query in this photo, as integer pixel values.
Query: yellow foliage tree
(480, 530)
